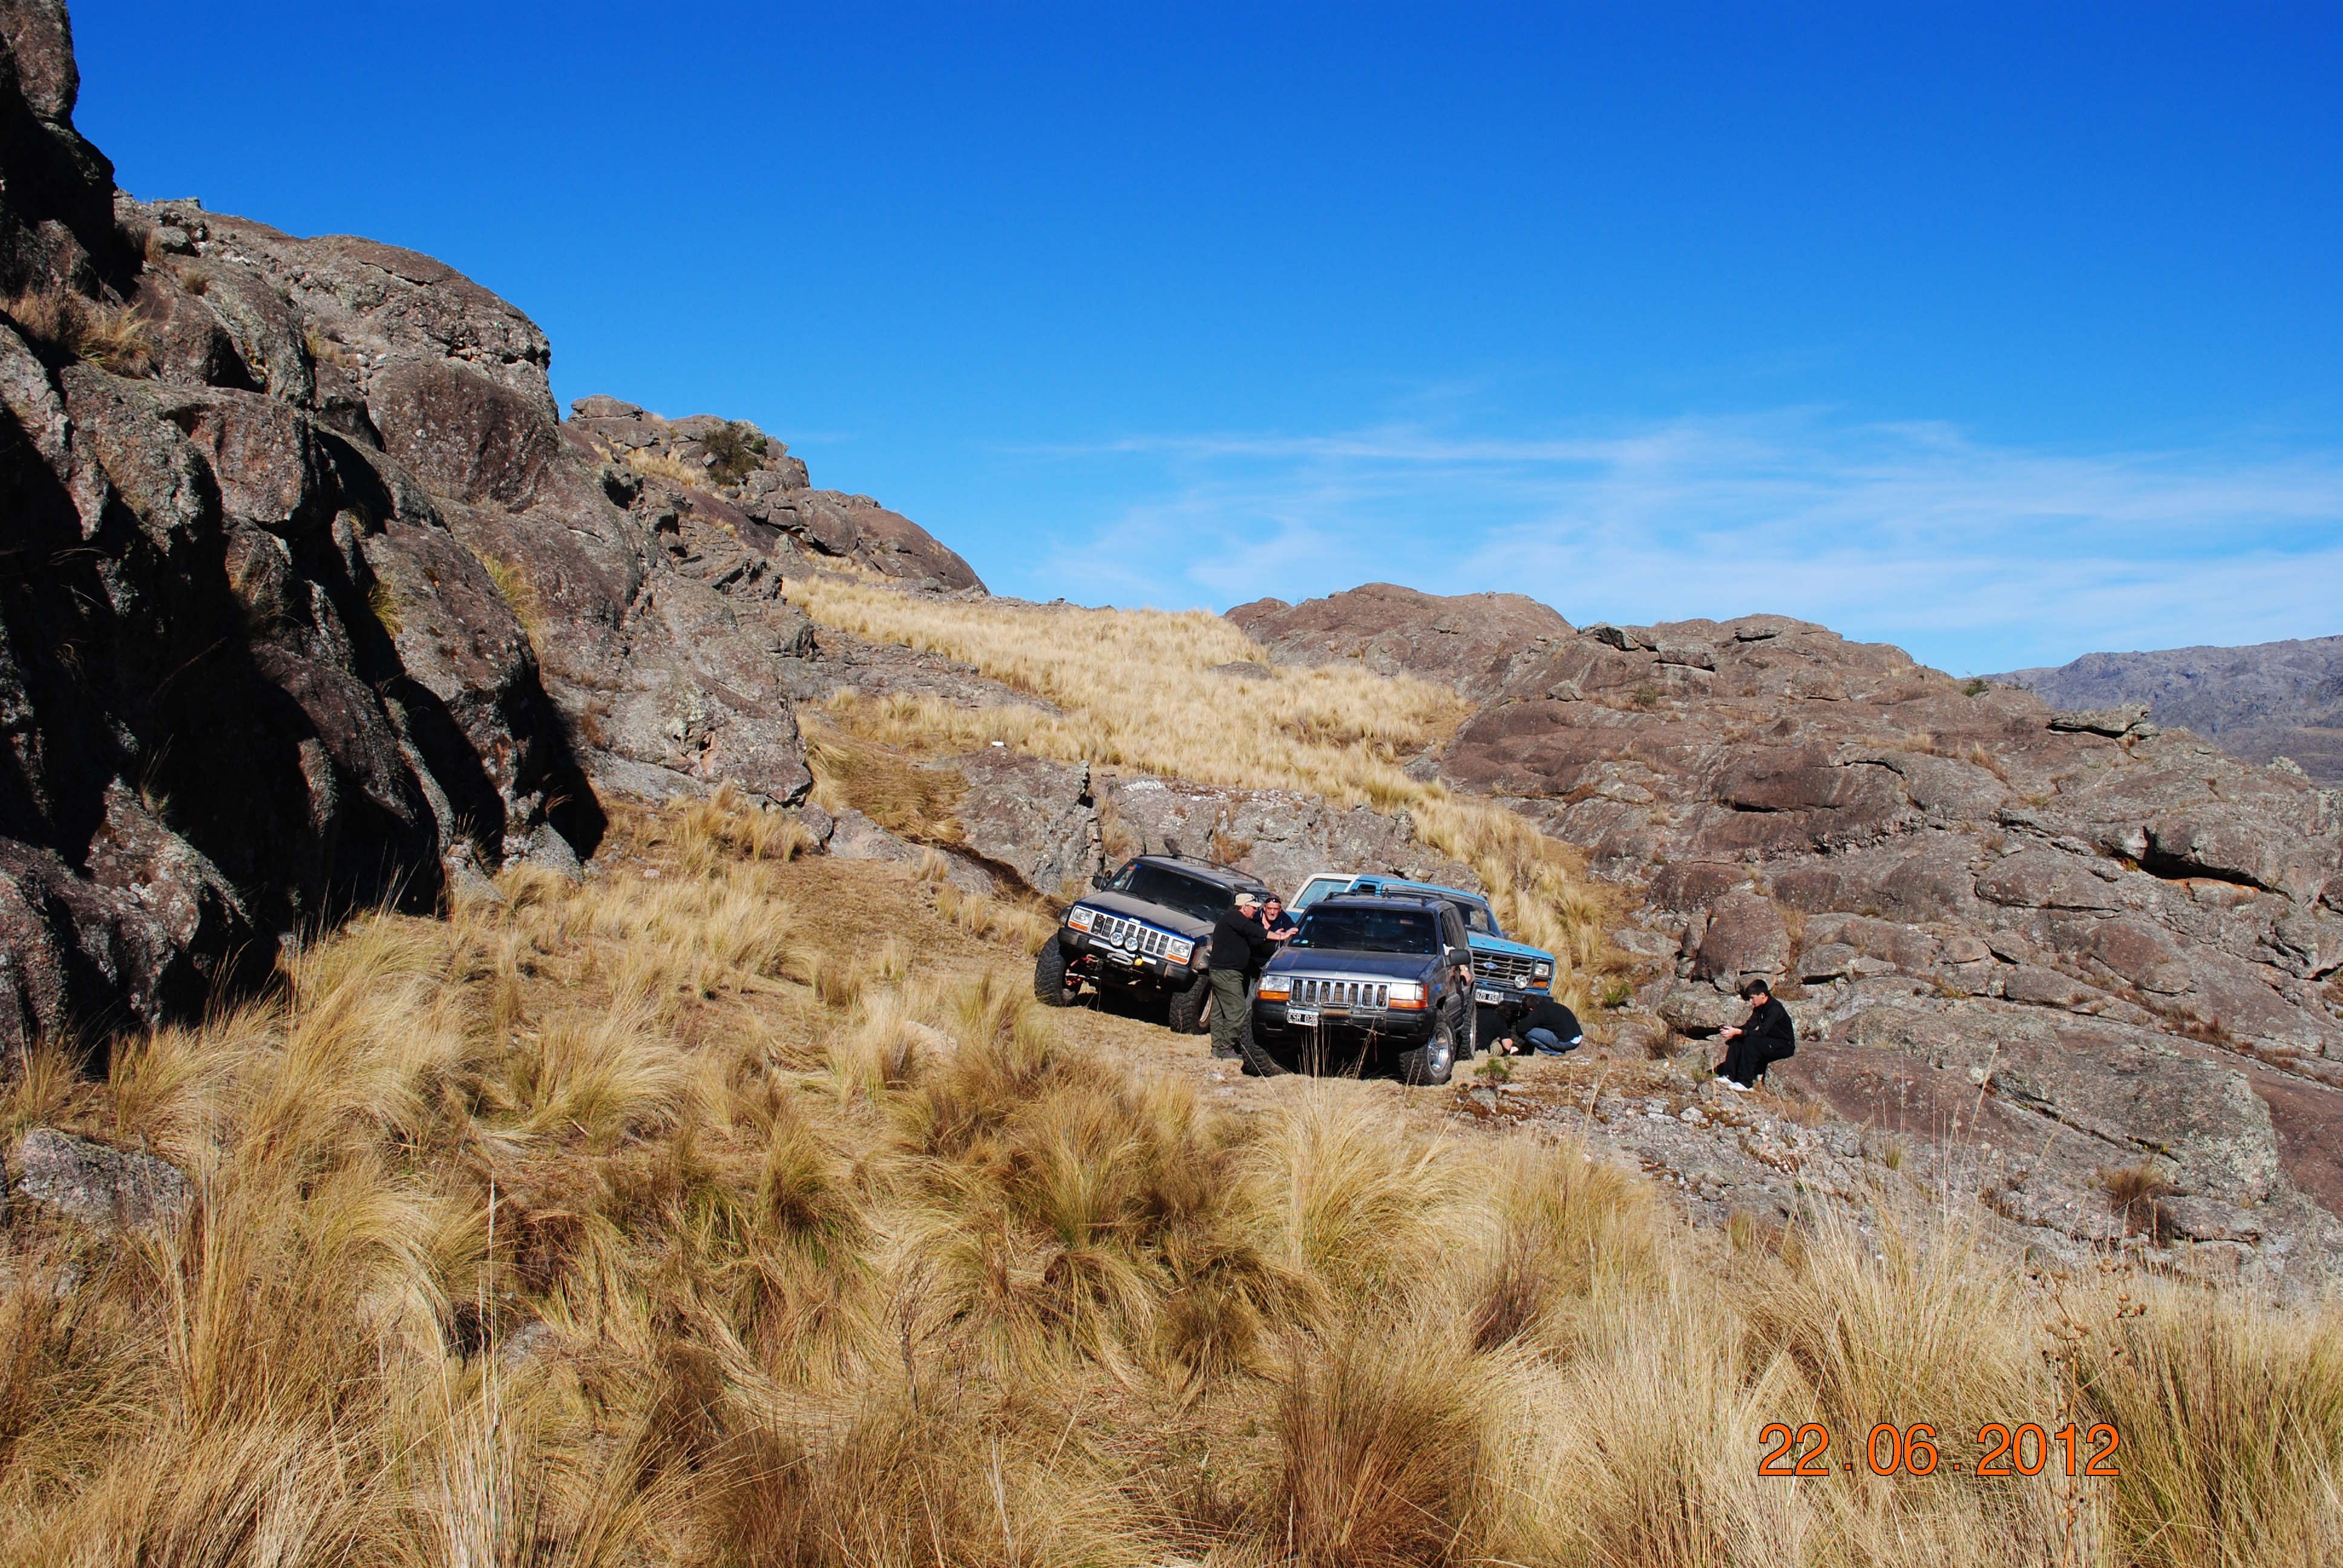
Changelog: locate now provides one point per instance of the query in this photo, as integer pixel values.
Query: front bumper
(1106, 964)
(1402, 1027)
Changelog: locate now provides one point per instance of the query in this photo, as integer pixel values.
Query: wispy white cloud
(1975, 557)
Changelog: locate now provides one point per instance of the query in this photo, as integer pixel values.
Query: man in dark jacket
(1239, 948)
(1765, 1037)
(1545, 1026)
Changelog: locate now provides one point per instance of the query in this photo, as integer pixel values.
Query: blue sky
(2004, 333)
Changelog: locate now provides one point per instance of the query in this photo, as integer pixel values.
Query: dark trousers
(1744, 1059)
(1229, 1004)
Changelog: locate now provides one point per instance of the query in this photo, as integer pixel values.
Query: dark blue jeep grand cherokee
(1368, 978)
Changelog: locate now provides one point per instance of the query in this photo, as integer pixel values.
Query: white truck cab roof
(1324, 885)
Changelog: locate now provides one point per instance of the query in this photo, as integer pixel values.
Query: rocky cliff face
(2270, 700)
(310, 598)
(2115, 943)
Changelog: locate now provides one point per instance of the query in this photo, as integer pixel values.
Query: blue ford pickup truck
(1505, 973)
(1384, 977)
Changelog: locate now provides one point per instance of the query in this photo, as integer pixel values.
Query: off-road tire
(1433, 1061)
(1258, 1061)
(1050, 984)
(1189, 1009)
(1469, 1046)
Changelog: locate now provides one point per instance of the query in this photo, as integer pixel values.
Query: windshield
(1476, 916)
(1189, 895)
(1370, 930)
(1320, 888)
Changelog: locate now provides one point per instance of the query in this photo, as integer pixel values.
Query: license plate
(1488, 998)
(1302, 1015)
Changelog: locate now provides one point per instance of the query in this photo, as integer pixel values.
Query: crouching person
(1764, 1038)
(1544, 1026)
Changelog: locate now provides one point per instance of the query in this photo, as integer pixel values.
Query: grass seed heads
(753, 1212)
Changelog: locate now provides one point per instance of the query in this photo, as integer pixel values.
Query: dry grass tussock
(518, 593)
(112, 337)
(674, 470)
(649, 1220)
(1134, 691)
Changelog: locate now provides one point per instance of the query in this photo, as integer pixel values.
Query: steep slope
(312, 602)
(2120, 938)
(2268, 700)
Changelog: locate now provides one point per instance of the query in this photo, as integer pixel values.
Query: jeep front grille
(1509, 970)
(1358, 995)
(1130, 936)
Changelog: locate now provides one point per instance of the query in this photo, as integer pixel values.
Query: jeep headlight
(1179, 951)
(1080, 917)
(1407, 994)
(1276, 987)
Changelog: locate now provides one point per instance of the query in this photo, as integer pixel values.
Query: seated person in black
(1765, 1037)
(1544, 1026)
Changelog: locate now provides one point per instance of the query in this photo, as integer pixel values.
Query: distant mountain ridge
(2265, 700)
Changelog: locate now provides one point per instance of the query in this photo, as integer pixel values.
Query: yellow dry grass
(1135, 692)
(681, 1217)
(113, 337)
(674, 470)
(518, 593)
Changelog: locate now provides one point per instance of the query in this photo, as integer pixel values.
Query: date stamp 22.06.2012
(2003, 1450)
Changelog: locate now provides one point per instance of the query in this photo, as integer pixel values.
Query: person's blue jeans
(1549, 1043)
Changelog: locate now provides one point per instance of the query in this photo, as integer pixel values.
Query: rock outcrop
(312, 602)
(1472, 642)
(1035, 818)
(2084, 922)
(731, 476)
(1281, 835)
(53, 1175)
(2261, 703)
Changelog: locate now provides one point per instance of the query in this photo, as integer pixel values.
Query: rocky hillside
(2058, 943)
(2270, 700)
(312, 600)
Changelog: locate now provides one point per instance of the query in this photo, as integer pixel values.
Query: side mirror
(1100, 879)
(1460, 956)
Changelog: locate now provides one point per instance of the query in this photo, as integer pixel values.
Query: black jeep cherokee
(1378, 976)
(1146, 929)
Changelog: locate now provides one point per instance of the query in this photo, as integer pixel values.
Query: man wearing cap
(1240, 947)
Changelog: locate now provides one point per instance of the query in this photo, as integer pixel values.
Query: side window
(1456, 937)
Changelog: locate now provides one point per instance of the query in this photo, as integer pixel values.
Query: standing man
(1280, 925)
(1240, 947)
(1765, 1037)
